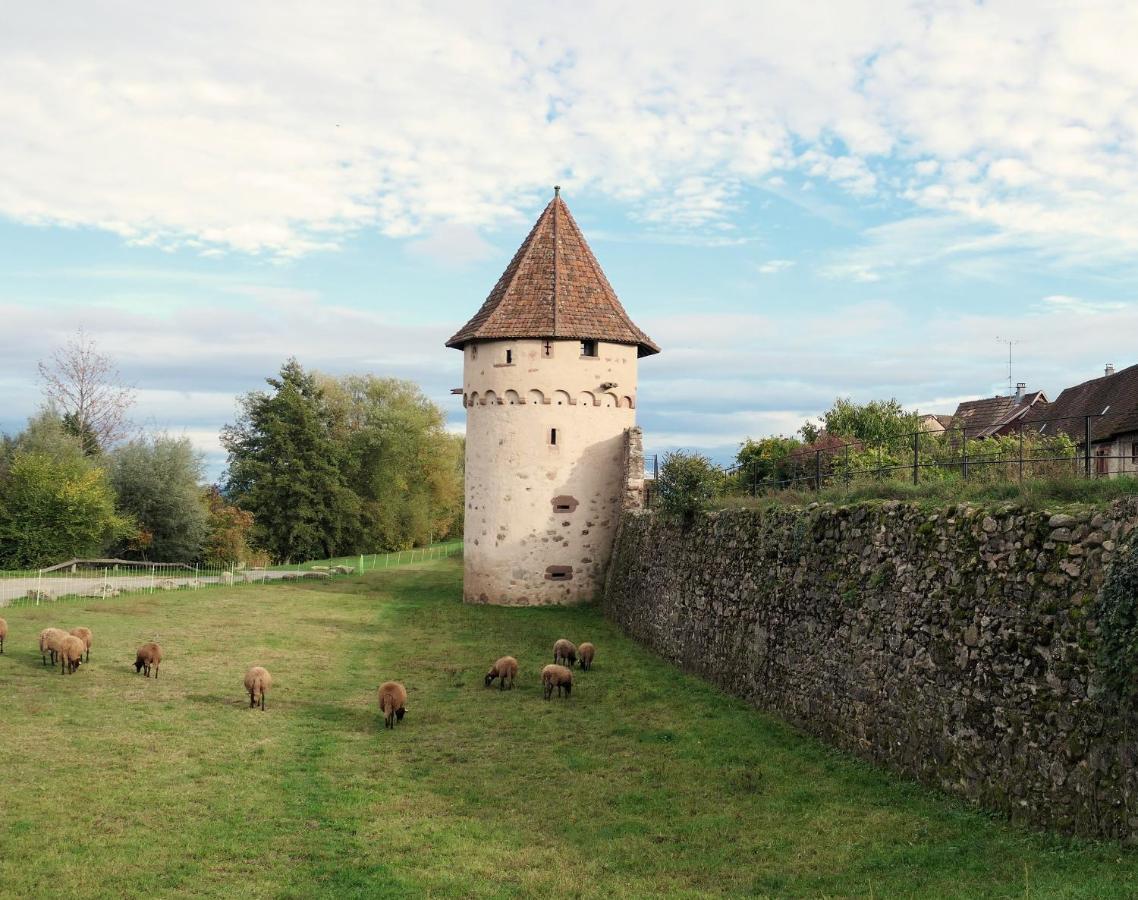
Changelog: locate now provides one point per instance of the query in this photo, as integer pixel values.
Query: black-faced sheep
(84, 634)
(559, 677)
(564, 653)
(392, 702)
(3, 634)
(70, 654)
(147, 657)
(257, 683)
(586, 652)
(49, 643)
(506, 669)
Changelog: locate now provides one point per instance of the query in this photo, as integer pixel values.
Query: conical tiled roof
(554, 288)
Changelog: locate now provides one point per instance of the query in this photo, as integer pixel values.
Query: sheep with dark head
(557, 677)
(585, 653)
(147, 657)
(257, 683)
(3, 634)
(564, 653)
(70, 654)
(505, 669)
(84, 634)
(392, 702)
(49, 643)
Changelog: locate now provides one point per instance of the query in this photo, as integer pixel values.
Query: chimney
(1021, 389)
(1110, 369)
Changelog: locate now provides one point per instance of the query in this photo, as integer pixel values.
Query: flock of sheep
(71, 648)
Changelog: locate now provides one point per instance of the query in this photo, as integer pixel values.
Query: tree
(286, 468)
(158, 481)
(229, 532)
(399, 460)
(687, 483)
(765, 459)
(879, 422)
(85, 385)
(54, 509)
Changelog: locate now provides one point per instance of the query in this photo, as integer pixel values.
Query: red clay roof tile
(554, 288)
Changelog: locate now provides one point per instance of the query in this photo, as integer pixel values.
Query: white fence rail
(36, 587)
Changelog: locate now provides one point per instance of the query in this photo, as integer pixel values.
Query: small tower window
(552, 437)
(588, 348)
(509, 357)
(474, 351)
(547, 348)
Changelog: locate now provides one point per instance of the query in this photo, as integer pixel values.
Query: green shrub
(1117, 614)
(687, 483)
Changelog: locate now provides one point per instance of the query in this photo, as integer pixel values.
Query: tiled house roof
(992, 415)
(1115, 395)
(554, 288)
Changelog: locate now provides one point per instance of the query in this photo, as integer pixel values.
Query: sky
(797, 201)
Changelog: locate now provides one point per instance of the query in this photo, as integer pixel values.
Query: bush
(687, 483)
(1117, 614)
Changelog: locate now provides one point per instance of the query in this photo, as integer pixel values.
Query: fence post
(39, 586)
(817, 470)
(104, 582)
(1021, 453)
(1087, 445)
(964, 451)
(916, 457)
(361, 564)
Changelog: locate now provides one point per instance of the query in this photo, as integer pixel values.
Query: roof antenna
(556, 191)
(1011, 342)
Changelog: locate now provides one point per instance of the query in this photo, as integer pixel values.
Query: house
(995, 416)
(1108, 407)
(934, 423)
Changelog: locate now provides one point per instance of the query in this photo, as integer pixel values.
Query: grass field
(645, 783)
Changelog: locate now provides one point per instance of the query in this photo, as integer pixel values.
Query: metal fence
(85, 581)
(1044, 448)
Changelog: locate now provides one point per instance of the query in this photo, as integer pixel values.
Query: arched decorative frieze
(586, 398)
(562, 398)
(511, 398)
(490, 399)
(626, 402)
(473, 399)
(535, 396)
(608, 398)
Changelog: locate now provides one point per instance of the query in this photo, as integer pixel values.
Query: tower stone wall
(546, 467)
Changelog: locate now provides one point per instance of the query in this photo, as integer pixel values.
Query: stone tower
(549, 386)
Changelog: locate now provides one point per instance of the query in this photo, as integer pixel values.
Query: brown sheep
(148, 656)
(392, 702)
(586, 651)
(70, 654)
(257, 683)
(564, 653)
(559, 677)
(506, 669)
(3, 634)
(84, 634)
(49, 643)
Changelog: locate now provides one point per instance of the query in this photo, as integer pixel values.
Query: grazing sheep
(564, 653)
(148, 656)
(507, 669)
(49, 643)
(3, 634)
(392, 702)
(84, 634)
(586, 651)
(559, 677)
(257, 683)
(70, 654)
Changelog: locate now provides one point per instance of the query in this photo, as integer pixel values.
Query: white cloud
(774, 266)
(280, 128)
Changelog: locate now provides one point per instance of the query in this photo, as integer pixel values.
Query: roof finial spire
(556, 191)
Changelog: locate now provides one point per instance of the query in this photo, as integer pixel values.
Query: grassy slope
(646, 781)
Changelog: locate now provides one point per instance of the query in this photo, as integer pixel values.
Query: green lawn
(646, 782)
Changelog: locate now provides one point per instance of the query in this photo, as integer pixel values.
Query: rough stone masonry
(956, 647)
